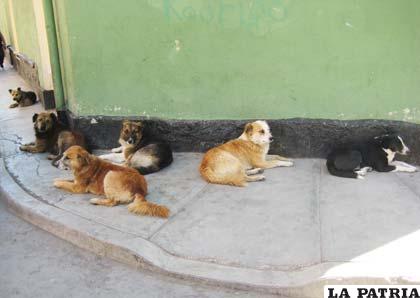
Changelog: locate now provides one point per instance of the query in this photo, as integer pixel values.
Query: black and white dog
(356, 159)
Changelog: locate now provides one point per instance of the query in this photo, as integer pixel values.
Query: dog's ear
(34, 117)
(138, 124)
(53, 117)
(83, 159)
(387, 143)
(10, 91)
(18, 89)
(248, 128)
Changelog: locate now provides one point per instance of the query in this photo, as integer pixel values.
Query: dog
(52, 136)
(354, 160)
(242, 160)
(22, 98)
(120, 185)
(139, 150)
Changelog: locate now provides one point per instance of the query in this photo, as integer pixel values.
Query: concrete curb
(139, 252)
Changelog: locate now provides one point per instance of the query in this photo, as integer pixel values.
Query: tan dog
(242, 160)
(120, 185)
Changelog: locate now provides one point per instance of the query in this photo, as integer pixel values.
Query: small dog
(51, 136)
(140, 151)
(356, 159)
(22, 98)
(120, 185)
(242, 160)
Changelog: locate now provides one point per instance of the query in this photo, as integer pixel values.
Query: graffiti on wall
(256, 16)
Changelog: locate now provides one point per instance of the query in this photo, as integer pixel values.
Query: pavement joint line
(318, 195)
(409, 187)
(180, 210)
(96, 222)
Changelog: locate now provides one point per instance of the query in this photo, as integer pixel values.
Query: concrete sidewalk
(291, 234)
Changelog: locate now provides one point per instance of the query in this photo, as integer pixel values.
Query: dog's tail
(337, 172)
(143, 207)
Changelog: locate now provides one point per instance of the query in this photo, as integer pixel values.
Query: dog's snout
(271, 138)
(130, 141)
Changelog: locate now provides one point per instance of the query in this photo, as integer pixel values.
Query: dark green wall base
(292, 137)
(28, 70)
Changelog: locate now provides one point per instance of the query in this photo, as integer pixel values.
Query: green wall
(27, 35)
(4, 21)
(236, 59)
(26, 31)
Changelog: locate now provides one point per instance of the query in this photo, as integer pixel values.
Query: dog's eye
(262, 131)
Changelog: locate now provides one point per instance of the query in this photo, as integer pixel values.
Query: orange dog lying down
(243, 159)
(120, 185)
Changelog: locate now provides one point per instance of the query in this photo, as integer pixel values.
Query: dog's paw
(360, 176)
(51, 156)
(94, 201)
(116, 150)
(282, 163)
(259, 171)
(278, 157)
(58, 183)
(23, 148)
(363, 171)
(412, 169)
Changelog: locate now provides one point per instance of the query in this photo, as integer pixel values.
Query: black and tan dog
(139, 150)
(22, 98)
(52, 136)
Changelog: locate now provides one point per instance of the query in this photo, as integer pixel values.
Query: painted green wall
(235, 59)
(4, 20)
(26, 31)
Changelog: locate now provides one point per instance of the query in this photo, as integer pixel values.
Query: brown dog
(242, 160)
(51, 136)
(120, 185)
(22, 98)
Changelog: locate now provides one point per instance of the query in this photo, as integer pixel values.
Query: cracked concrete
(291, 234)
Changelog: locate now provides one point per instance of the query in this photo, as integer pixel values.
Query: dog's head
(257, 132)
(75, 158)
(394, 143)
(16, 94)
(44, 122)
(131, 133)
